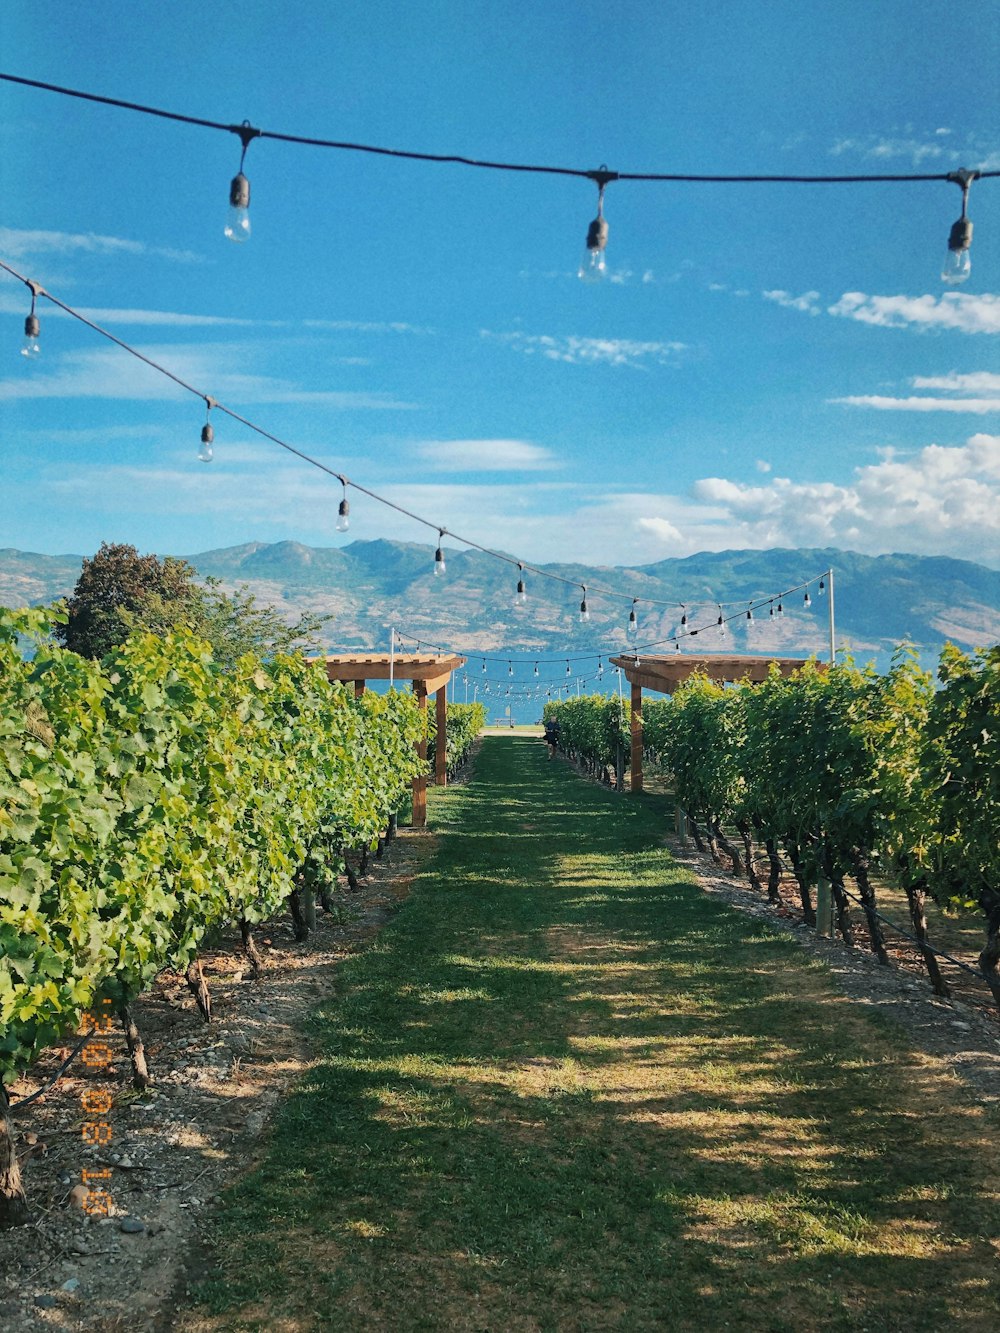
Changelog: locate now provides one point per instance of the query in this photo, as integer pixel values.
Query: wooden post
(420, 782)
(441, 750)
(359, 688)
(636, 736)
(824, 908)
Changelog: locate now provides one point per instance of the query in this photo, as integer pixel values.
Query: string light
(344, 512)
(594, 264)
(807, 600)
(521, 596)
(536, 668)
(584, 611)
(238, 226)
(439, 563)
(822, 587)
(206, 452)
(957, 261)
(956, 268)
(632, 628)
(32, 328)
(750, 614)
(781, 609)
(721, 623)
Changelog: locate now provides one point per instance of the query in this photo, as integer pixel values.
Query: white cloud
(18, 243)
(883, 148)
(486, 455)
(110, 373)
(953, 310)
(920, 404)
(574, 350)
(763, 465)
(807, 302)
(930, 503)
(663, 530)
(980, 381)
(983, 382)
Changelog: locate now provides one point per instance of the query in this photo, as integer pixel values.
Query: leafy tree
(120, 592)
(119, 589)
(235, 623)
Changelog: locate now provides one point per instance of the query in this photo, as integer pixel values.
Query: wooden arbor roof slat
(663, 672)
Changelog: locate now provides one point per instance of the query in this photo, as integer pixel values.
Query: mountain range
(368, 587)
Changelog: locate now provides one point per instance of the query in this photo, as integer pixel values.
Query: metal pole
(833, 636)
(392, 654)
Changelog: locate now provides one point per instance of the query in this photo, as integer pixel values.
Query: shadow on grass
(566, 1090)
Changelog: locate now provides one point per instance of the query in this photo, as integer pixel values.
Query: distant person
(552, 735)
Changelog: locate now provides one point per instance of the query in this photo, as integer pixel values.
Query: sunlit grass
(566, 1090)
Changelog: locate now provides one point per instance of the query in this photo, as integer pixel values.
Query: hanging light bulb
(510, 669)
(32, 328)
(749, 613)
(721, 623)
(684, 621)
(957, 261)
(594, 265)
(632, 628)
(781, 610)
(600, 669)
(238, 226)
(521, 596)
(439, 562)
(584, 612)
(770, 612)
(822, 587)
(344, 512)
(536, 668)
(807, 600)
(484, 666)
(206, 453)
(677, 646)
(568, 672)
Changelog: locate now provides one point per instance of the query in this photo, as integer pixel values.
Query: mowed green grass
(566, 1090)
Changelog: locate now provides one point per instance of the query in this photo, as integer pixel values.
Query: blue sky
(764, 365)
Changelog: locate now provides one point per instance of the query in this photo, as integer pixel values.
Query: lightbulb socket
(32, 328)
(344, 508)
(239, 192)
(597, 234)
(207, 434)
(961, 235)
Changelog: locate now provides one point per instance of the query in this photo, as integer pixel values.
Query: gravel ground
(965, 1037)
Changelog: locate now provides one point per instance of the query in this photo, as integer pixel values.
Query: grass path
(565, 1090)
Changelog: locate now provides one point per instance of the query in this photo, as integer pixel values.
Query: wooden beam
(359, 688)
(636, 783)
(420, 782)
(441, 750)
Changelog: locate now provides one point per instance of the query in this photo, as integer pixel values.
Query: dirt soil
(174, 1146)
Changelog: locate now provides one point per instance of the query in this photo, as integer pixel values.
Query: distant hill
(369, 586)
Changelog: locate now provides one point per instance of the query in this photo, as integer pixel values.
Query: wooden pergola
(663, 674)
(430, 675)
